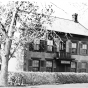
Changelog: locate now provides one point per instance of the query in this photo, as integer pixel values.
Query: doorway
(63, 68)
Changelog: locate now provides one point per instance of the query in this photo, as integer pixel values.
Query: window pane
(48, 63)
(57, 48)
(54, 65)
(35, 63)
(35, 69)
(29, 62)
(83, 70)
(73, 65)
(61, 46)
(36, 41)
(36, 47)
(49, 69)
(42, 45)
(84, 51)
(49, 48)
(49, 42)
(73, 45)
(84, 46)
(30, 46)
(83, 65)
(74, 50)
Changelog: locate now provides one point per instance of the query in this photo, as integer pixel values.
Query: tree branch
(24, 11)
(2, 30)
(11, 54)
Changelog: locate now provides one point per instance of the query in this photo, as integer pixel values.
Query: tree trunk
(4, 72)
(4, 66)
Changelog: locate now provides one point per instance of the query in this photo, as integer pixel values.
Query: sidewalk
(82, 85)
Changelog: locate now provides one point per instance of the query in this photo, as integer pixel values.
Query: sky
(65, 8)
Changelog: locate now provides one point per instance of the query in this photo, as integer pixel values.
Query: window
(36, 44)
(56, 44)
(84, 46)
(36, 47)
(42, 45)
(83, 49)
(83, 67)
(54, 65)
(74, 48)
(50, 45)
(31, 46)
(62, 46)
(49, 48)
(29, 65)
(57, 48)
(73, 66)
(49, 66)
(73, 45)
(35, 65)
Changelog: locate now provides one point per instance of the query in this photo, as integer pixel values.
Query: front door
(63, 68)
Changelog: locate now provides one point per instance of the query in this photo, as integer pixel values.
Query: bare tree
(23, 18)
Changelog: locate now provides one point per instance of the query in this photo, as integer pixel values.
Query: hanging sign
(65, 62)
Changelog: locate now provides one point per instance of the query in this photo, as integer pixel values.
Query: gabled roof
(68, 26)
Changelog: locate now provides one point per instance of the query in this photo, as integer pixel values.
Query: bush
(40, 78)
(15, 78)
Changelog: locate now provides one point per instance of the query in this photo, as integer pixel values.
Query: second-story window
(62, 45)
(83, 48)
(31, 46)
(74, 48)
(50, 45)
(36, 44)
(42, 45)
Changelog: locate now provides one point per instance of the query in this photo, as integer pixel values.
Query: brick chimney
(75, 17)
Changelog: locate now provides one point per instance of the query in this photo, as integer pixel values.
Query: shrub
(15, 78)
(40, 78)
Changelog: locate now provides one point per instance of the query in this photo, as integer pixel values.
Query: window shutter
(29, 62)
(42, 63)
(87, 49)
(57, 44)
(79, 66)
(68, 46)
(54, 64)
(80, 47)
(42, 45)
(0, 46)
(30, 46)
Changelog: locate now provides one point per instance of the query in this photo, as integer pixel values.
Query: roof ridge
(62, 18)
(72, 21)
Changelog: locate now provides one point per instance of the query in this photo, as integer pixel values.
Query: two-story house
(68, 55)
